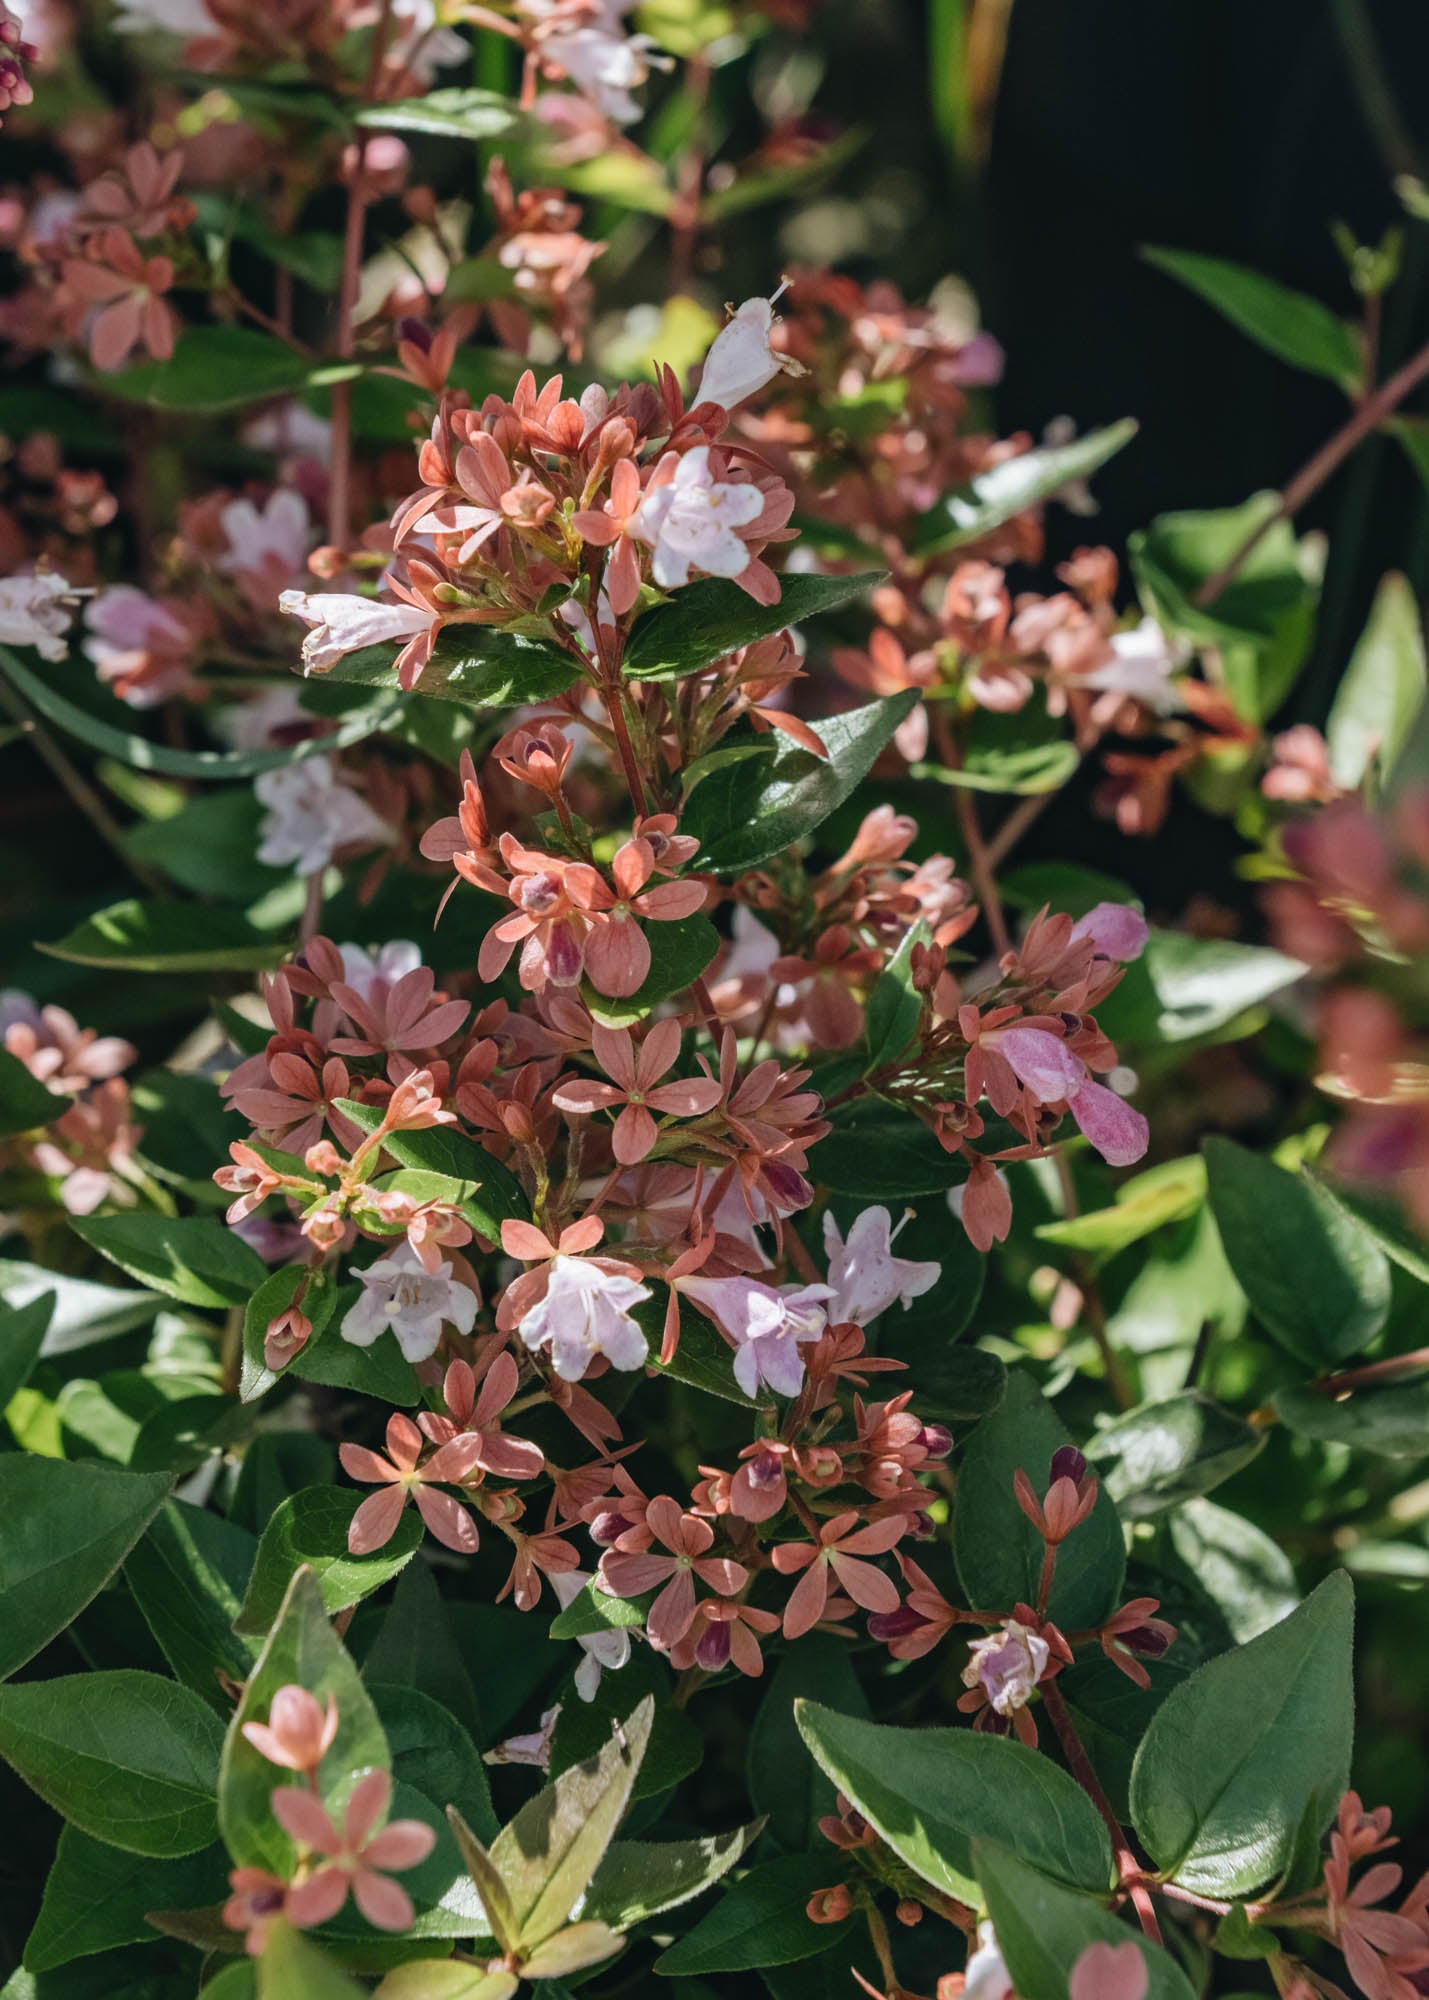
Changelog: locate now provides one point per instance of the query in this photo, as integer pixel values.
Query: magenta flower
(355, 1856)
(636, 1087)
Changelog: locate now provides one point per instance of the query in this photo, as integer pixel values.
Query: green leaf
(1384, 1219)
(784, 1782)
(84, 1312)
(1147, 1202)
(1286, 323)
(188, 1575)
(706, 620)
(25, 1104)
(745, 812)
(292, 1968)
(213, 368)
(1248, 1576)
(303, 1651)
(416, 1648)
(434, 1754)
(381, 1370)
(548, 1854)
(1004, 491)
(446, 114)
(143, 755)
(97, 1897)
(1392, 1422)
(1183, 987)
(190, 1258)
(703, 1359)
(1164, 1453)
(168, 937)
(1022, 753)
(22, 1335)
(591, 1610)
(998, 1551)
(679, 953)
(274, 1296)
(309, 1532)
(1315, 1280)
(1235, 1755)
(68, 1526)
(638, 1879)
(1043, 1929)
(441, 1150)
(1383, 688)
(127, 1757)
(880, 1152)
(1271, 599)
(930, 1792)
(473, 665)
(760, 1921)
(895, 1007)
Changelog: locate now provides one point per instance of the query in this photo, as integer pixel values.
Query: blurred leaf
(144, 755)
(998, 495)
(929, 1793)
(1382, 691)
(1025, 753)
(1235, 1755)
(25, 1104)
(743, 813)
(67, 1529)
(998, 1551)
(1392, 1421)
(1383, 1217)
(309, 1532)
(168, 937)
(1183, 986)
(125, 1756)
(23, 1336)
(712, 617)
(785, 1783)
(97, 1897)
(1167, 1193)
(1163, 1453)
(213, 368)
(291, 1968)
(303, 1651)
(446, 114)
(84, 1313)
(760, 1921)
(189, 1258)
(1269, 601)
(1043, 1929)
(1288, 324)
(1316, 1281)
(895, 1007)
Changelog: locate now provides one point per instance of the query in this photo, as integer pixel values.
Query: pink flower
(298, 1733)
(617, 953)
(120, 293)
(637, 1088)
(355, 1856)
(617, 524)
(342, 623)
(767, 1327)
(1007, 1665)
(1117, 931)
(1120, 1134)
(474, 1415)
(865, 1277)
(403, 1479)
(1109, 1972)
(687, 1538)
(841, 1544)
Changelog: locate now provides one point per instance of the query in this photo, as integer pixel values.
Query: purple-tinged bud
(1146, 1640)
(712, 1652)
(887, 1625)
(607, 1528)
(936, 1440)
(417, 333)
(1067, 1463)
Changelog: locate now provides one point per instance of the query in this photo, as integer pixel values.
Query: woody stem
(1082, 1769)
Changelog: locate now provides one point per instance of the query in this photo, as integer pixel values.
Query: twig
(1083, 1770)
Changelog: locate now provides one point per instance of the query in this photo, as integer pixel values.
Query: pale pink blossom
(865, 1278)
(35, 610)
(690, 521)
(299, 1732)
(1109, 1972)
(741, 359)
(399, 1292)
(767, 1327)
(585, 1311)
(1007, 1666)
(1116, 929)
(342, 623)
(310, 813)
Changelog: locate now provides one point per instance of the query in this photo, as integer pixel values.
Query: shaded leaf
(760, 1921)
(1002, 492)
(135, 936)
(1382, 691)
(1288, 324)
(1163, 1453)
(309, 1532)
(190, 1258)
(1042, 1930)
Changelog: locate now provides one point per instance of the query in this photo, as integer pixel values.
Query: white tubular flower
(398, 1291)
(310, 814)
(275, 533)
(343, 623)
(741, 359)
(690, 521)
(36, 610)
(865, 1276)
(605, 1652)
(585, 1311)
(1142, 665)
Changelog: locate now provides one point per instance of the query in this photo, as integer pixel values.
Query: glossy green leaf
(84, 1312)
(931, 1792)
(1006, 490)
(302, 1651)
(895, 1007)
(998, 1551)
(25, 1104)
(68, 1526)
(1147, 1202)
(592, 1610)
(710, 618)
(1286, 323)
(470, 664)
(1043, 1929)
(309, 1532)
(1249, 1576)
(135, 936)
(1316, 1281)
(188, 1575)
(213, 368)
(441, 1150)
(745, 812)
(1183, 986)
(638, 1878)
(22, 1334)
(1392, 1421)
(879, 1151)
(761, 1921)
(189, 1258)
(274, 1296)
(1163, 1453)
(97, 1898)
(1382, 692)
(1383, 1217)
(549, 1852)
(127, 1757)
(1234, 1757)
